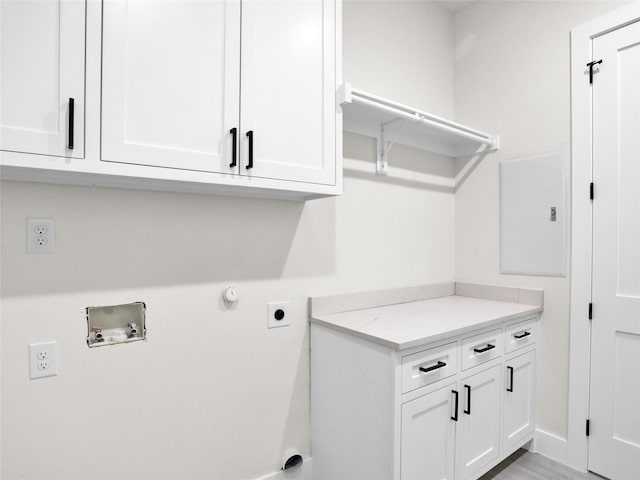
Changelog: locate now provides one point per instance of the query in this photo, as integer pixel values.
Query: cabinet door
(428, 432)
(478, 434)
(288, 89)
(42, 45)
(518, 408)
(170, 81)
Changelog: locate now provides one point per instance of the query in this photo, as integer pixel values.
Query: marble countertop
(410, 324)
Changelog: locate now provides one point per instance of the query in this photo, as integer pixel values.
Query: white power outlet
(42, 359)
(278, 314)
(40, 235)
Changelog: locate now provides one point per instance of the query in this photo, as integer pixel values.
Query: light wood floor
(524, 465)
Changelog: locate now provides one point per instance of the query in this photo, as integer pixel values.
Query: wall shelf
(390, 122)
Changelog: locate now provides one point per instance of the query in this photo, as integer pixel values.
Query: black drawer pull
(510, 388)
(468, 409)
(433, 367)
(455, 407)
(250, 135)
(521, 335)
(485, 349)
(234, 148)
(71, 121)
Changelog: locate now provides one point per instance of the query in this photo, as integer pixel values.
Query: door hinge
(591, 65)
(590, 311)
(591, 191)
(587, 429)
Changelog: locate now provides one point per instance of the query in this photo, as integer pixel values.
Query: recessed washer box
(112, 324)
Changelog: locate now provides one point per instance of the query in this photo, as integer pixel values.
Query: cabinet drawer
(481, 348)
(520, 334)
(429, 366)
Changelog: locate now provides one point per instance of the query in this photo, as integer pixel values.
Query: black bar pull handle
(234, 148)
(71, 121)
(250, 135)
(468, 409)
(521, 335)
(455, 407)
(433, 367)
(510, 387)
(485, 349)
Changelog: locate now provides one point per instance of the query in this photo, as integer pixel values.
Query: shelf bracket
(384, 146)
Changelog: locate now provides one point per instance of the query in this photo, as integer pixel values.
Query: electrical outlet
(278, 314)
(40, 235)
(42, 360)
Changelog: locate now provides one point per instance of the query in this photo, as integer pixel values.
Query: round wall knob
(279, 314)
(231, 294)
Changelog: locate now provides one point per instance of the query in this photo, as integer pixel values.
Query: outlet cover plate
(40, 235)
(276, 319)
(43, 360)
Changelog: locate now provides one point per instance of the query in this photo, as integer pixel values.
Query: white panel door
(518, 409)
(170, 83)
(288, 89)
(478, 432)
(428, 436)
(614, 444)
(42, 48)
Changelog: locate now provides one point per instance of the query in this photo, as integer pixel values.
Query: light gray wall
(401, 50)
(213, 393)
(512, 78)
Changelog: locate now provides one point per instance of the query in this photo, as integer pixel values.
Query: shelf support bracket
(384, 146)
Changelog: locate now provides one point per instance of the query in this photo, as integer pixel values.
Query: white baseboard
(301, 472)
(547, 444)
(551, 446)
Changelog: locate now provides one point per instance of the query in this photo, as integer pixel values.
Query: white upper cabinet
(206, 96)
(193, 85)
(42, 77)
(288, 89)
(170, 82)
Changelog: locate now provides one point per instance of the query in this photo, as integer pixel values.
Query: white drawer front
(520, 334)
(428, 366)
(481, 348)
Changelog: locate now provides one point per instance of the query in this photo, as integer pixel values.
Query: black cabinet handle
(485, 349)
(510, 387)
(455, 407)
(433, 367)
(468, 409)
(250, 135)
(71, 109)
(234, 148)
(521, 335)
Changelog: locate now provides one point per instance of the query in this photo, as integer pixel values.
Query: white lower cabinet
(428, 436)
(425, 413)
(519, 396)
(457, 426)
(478, 428)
